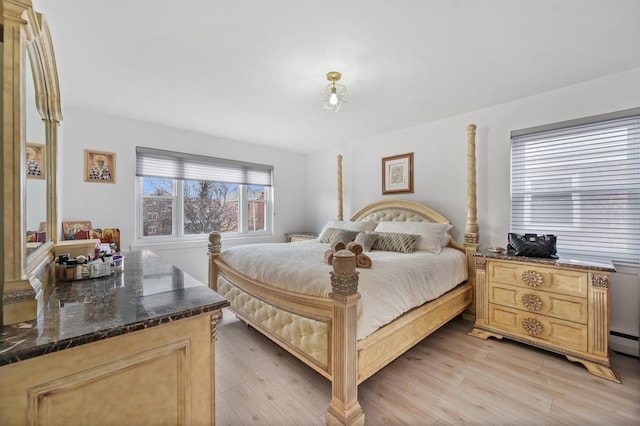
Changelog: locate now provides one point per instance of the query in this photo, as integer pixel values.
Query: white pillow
(348, 225)
(431, 234)
(366, 240)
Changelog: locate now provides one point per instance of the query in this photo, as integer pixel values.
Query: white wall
(113, 205)
(306, 185)
(440, 168)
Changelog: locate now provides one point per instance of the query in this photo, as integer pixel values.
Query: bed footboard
(304, 337)
(327, 324)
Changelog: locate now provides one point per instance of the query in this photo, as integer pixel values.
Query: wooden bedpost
(472, 209)
(344, 408)
(213, 251)
(472, 235)
(339, 187)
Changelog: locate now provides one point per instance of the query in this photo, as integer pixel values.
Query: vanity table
(135, 347)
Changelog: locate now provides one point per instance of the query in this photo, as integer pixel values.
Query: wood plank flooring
(448, 378)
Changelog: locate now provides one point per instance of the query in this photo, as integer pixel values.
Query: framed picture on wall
(35, 161)
(99, 166)
(397, 174)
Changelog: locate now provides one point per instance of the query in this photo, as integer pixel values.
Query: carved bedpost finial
(339, 187)
(344, 278)
(215, 243)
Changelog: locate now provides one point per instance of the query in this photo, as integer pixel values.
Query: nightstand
(300, 236)
(558, 305)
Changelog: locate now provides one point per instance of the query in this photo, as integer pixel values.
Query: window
(185, 195)
(581, 182)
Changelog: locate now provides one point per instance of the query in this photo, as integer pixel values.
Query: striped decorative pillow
(395, 241)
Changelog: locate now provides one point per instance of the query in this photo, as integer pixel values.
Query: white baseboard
(625, 345)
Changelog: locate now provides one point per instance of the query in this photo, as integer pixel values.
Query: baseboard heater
(625, 343)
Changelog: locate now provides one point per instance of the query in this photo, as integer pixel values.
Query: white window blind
(152, 162)
(582, 183)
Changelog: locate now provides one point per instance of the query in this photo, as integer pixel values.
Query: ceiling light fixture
(333, 96)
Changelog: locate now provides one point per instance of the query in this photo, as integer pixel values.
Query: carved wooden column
(599, 318)
(472, 210)
(344, 408)
(340, 216)
(481, 300)
(472, 236)
(213, 251)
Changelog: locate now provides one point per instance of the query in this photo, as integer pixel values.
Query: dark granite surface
(149, 292)
(585, 264)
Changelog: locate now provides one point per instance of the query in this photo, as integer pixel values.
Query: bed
(350, 322)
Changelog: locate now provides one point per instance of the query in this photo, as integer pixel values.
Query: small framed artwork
(35, 161)
(99, 166)
(397, 174)
(77, 230)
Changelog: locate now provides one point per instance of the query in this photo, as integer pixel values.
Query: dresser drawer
(557, 305)
(564, 281)
(539, 327)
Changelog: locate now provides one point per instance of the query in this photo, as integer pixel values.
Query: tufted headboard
(402, 211)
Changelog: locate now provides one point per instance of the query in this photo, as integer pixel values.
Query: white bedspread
(396, 283)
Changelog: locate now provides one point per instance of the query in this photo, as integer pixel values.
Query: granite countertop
(149, 292)
(585, 264)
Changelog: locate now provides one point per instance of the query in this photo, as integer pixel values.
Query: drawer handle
(532, 326)
(531, 302)
(532, 278)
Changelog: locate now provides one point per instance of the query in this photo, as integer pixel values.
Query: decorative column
(344, 408)
(339, 187)
(471, 236)
(599, 314)
(472, 228)
(481, 292)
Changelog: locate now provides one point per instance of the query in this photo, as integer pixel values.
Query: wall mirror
(35, 211)
(30, 116)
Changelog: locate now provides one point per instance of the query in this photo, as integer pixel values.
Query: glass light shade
(339, 94)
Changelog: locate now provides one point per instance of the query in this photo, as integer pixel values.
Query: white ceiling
(252, 70)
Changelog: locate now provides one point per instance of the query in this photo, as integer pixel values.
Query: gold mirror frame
(26, 279)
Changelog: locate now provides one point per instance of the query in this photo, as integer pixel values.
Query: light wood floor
(448, 378)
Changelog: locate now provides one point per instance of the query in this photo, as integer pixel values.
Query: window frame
(178, 216)
(183, 161)
(583, 196)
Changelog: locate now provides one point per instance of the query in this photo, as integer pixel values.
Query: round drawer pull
(532, 326)
(531, 302)
(532, 278)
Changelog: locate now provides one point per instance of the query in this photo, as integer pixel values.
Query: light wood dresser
(561, 306)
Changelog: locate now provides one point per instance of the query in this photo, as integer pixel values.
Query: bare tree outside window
(187, 196)
(210, 206)
(173, 207)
